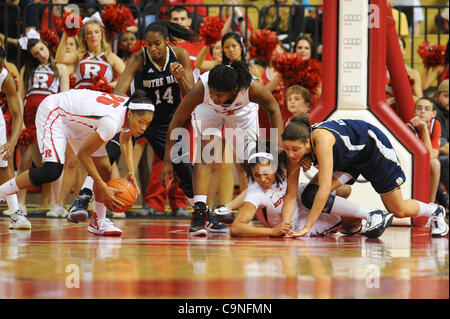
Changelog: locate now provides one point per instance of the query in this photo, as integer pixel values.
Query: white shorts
(240, 127)
(3, 138)
(52, 134)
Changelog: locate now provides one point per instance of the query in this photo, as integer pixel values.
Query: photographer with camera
(236, 20)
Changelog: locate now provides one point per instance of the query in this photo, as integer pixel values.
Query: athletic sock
(426, 209)
(9, 187)
(99, 209)
(345, 208)
(13, 202)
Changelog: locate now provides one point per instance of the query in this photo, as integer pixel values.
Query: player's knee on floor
(309, 194)
(48, 173)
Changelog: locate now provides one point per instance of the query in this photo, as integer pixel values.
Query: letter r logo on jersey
(40, 81)
(48, 153)
(91, 70)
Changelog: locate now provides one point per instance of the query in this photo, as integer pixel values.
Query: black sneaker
(198, 221)
(78, 211)
(379, 221)
(213, 225)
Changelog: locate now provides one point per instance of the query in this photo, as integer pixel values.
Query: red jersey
(435, 133)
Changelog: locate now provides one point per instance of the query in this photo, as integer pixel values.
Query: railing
(299, 22)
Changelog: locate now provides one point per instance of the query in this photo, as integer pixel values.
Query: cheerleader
(39, 78)
(8, 88)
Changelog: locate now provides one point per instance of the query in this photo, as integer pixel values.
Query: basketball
(127, 196)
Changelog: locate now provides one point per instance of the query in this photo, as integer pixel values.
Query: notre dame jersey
(161, 87)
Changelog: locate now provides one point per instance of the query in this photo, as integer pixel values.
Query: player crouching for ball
(86, 120)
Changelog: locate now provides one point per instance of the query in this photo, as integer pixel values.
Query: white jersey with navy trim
(271, 203)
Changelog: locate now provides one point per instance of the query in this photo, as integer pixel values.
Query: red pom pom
(431, 54)
(262, 44)
(99, 83)
(116, 18)
(137, 46)
(211, 30)
(51, 38)
(27, 136)
(70, 23)
(295, 70)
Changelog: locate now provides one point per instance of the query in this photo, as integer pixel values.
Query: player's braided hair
(230, 78)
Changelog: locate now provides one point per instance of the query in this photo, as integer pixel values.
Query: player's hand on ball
(132, 179)
(109, 198)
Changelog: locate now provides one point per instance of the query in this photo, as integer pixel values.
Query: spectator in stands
(428, 130)
(126, 41)
(287, 20)
(298, 100)
(441, 100)
(196, 13)
(439, 73)
(413, 13)
(413, 74)
(401, 21)
(57, 12)
(17, 24)
(236, 20)
(441, 20)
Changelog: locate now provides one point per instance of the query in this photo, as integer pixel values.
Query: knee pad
(309, 194)
(48, 173)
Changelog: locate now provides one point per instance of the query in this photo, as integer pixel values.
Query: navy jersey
(161, 87)
(362, 148)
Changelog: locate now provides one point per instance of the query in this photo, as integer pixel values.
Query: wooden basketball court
(156, 259)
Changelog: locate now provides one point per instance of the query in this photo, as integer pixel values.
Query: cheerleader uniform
(42, 84)
(91, 66)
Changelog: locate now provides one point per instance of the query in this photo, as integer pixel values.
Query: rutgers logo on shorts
(48, 153)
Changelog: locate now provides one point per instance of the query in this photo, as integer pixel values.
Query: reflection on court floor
(157, 259)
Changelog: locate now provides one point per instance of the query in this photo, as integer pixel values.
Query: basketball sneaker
(198, 221)
(103, 226)
(439, 227)
(78, 211)
(378, 222)
(57, 211)
(23, 209)
(213, 225)
(19, 221)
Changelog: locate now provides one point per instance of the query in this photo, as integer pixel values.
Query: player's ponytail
(230, 78)
(298, 129)
(171, 30)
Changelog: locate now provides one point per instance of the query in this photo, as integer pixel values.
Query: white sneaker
(57, 211)
(439, 227)
(19, 221)
(103, 226)
(23, 209)
(118, 215)
(222, 210)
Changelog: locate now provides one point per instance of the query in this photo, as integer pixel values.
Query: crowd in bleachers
(299, 29)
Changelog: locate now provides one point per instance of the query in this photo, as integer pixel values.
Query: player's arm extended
(290, 201)
(135, 64)
(259, 94)
(126, 148)
(241, 227)
(185, 78)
